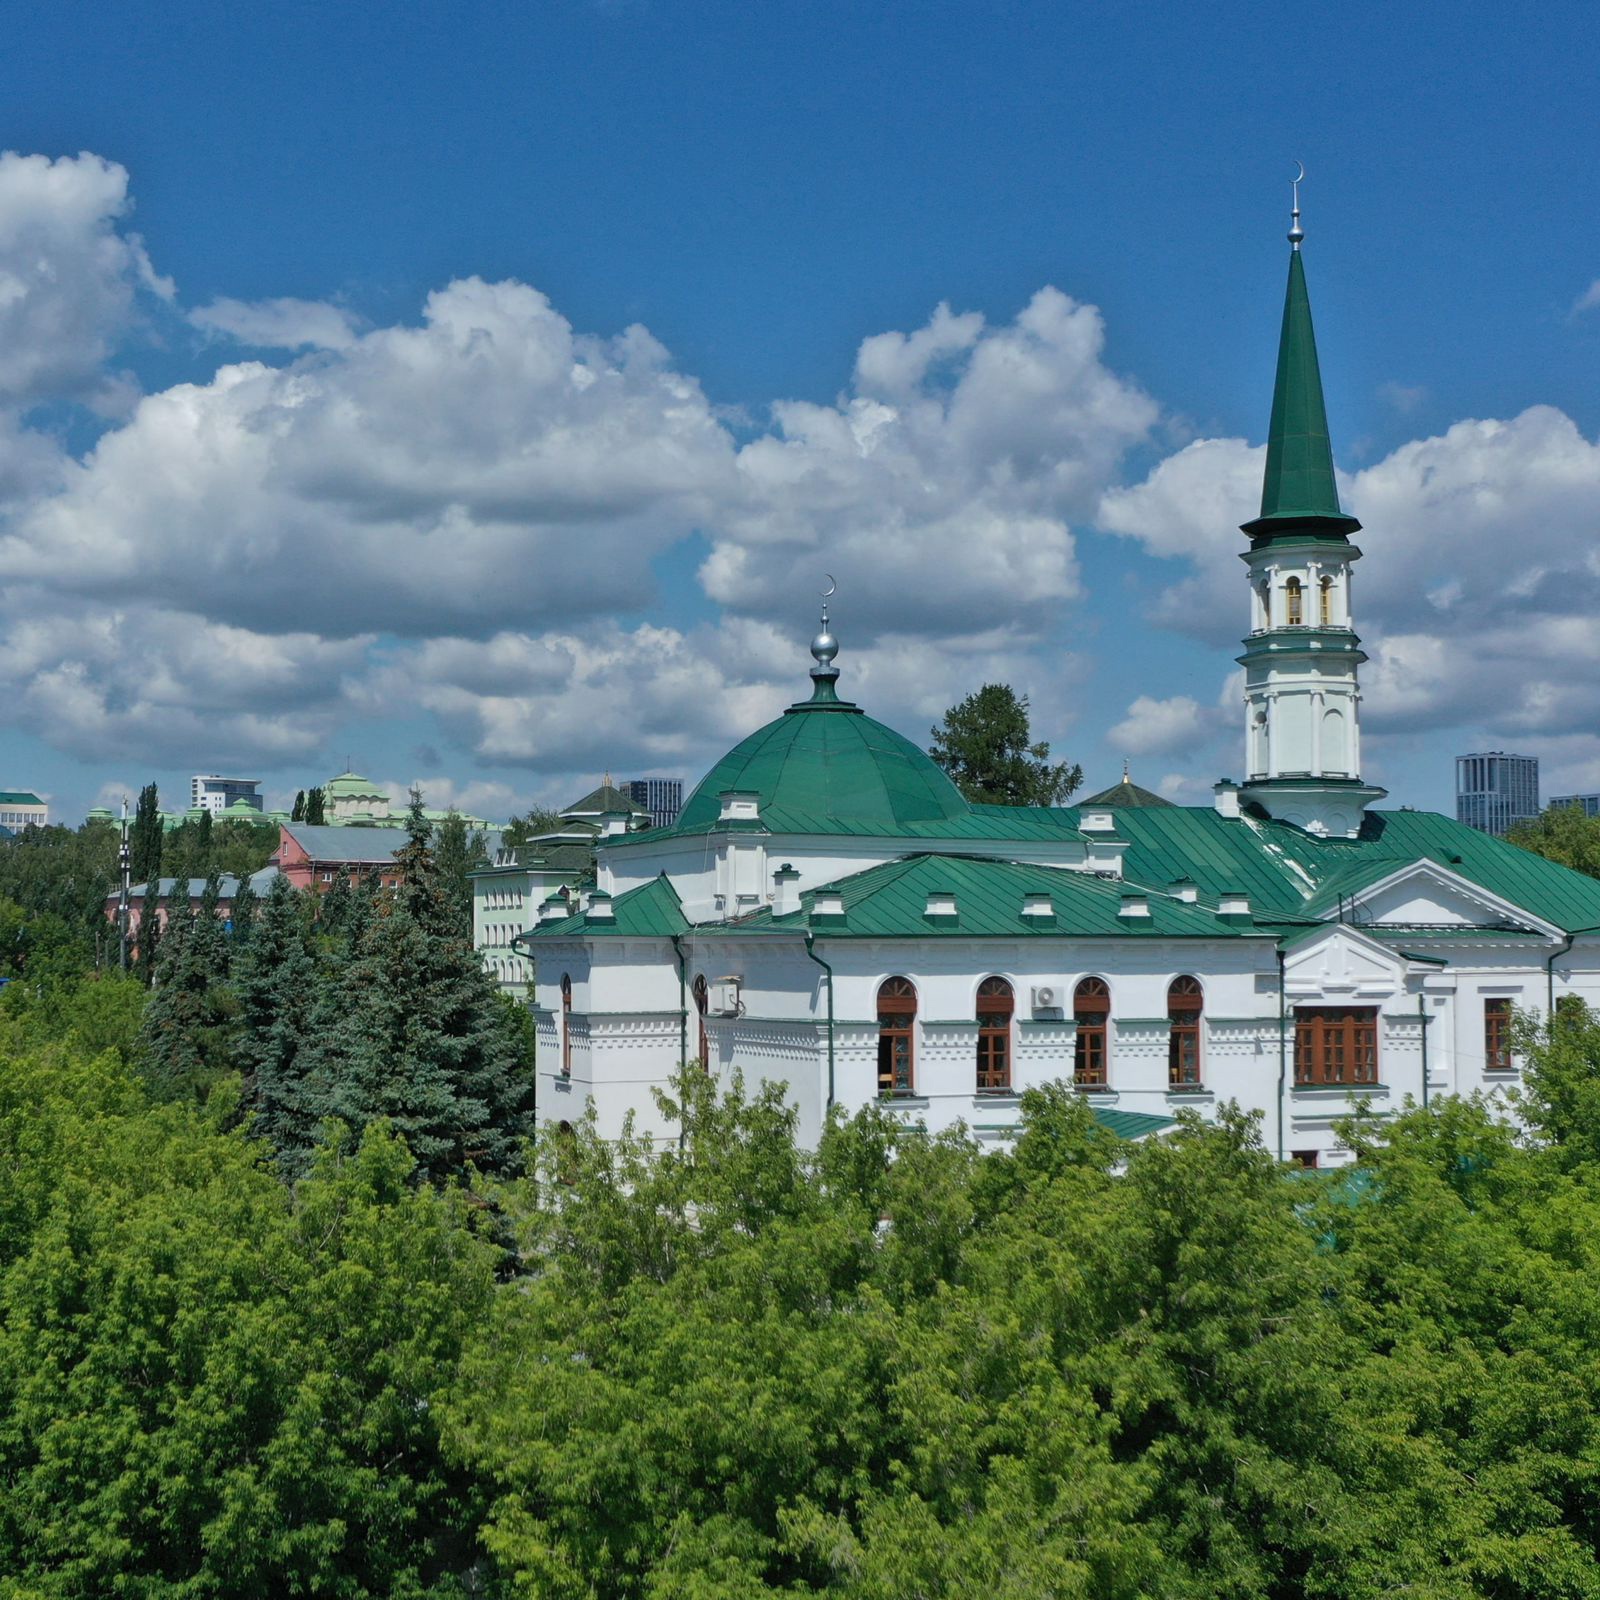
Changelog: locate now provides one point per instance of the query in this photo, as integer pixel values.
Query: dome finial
(1296, 232)
(824, 648)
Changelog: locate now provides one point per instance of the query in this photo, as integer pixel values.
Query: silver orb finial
(1296, 232)
(824, 647)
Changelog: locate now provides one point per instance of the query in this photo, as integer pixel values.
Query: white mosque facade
(828, 912)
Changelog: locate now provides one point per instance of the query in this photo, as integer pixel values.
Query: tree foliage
(145, 836)
(519, 830)
(892, 1366)
(984, 744)
(1564, 834)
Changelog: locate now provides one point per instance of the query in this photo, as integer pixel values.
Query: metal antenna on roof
(1296, 232)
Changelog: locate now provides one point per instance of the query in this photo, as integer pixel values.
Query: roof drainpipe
(1283, 1046)
(1550, 975)
(1423, 1019)
(811, 940)
(683, 1032)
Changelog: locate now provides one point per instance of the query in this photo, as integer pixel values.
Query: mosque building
(828, 911)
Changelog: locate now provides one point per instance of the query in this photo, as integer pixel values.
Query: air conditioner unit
(1046, 997)
(724, 998)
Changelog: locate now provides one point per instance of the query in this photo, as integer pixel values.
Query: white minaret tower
(1302, 695)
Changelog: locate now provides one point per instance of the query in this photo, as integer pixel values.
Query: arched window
(1327, 602)
(1265, 591)
(897, 1016)
(1293, 603)
(566, 1026)
(566, 1153)
(1091, 1007)
(995, 1006)
(1184, 1002)
(701, 1003)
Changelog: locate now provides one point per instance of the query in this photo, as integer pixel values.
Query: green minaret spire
(1298, 492)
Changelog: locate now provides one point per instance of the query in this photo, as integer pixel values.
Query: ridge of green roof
(1298, 487)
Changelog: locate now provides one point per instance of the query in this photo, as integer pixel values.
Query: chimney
(785, 896)
(1038, 906)
(1227, 797)
(941, 905)
(1184, 889)
(599, 908)
(1134, 904)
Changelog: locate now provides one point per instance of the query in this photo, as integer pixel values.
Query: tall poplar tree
(144, 836)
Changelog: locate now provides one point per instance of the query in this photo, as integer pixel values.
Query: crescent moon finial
(1296, 232)
(832, 586)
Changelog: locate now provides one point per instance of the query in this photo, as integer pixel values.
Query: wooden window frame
(1294, 609)
(1335, 1047)
(1497, 1034)
(566, 1025)
(1325, 590)
(996, 1006)
(1091, 1013)
(897, 1026)
(1185, 1007)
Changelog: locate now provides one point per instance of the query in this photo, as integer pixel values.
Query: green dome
(352, 786)
(824, 766)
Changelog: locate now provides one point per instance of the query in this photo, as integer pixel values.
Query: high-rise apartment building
(661, 797)
(1588, 804)
(208, 792)
(1494, 790)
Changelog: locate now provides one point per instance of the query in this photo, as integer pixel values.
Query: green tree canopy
(519, 830)
(984, 745)
(1564, 834)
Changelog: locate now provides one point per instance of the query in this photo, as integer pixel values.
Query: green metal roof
(890, 901)
(1124, 793)
(825, 767)
(1298, 487)
(352, 786)
(652, 911)
(19, 797)
(1289, 872)
(608, 799)
(1131, 1124)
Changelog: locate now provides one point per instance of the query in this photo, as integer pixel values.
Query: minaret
(1302, 697)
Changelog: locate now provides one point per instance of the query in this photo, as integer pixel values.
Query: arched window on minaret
(1293, 603)
(1265, 591)
(1327, 603)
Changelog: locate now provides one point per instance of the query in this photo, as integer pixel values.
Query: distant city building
(21, 808)
(661, 797)
(169, 889)
(1588, 804)
(544, 878)
(1495, 790)
(316, 858)
(208, 792)
(351, 801)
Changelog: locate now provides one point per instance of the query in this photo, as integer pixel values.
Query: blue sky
(264, 504)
